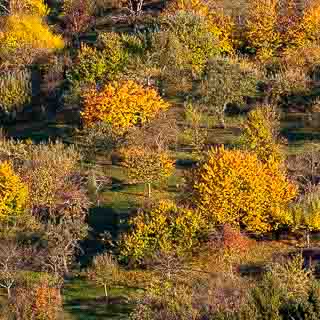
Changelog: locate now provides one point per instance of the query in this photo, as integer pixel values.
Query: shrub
(122, 105)
(165, 228)
(15, 90)
(26, 37)
(13, 193)
(235, 187)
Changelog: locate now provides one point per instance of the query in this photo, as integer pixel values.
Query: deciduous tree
(122, 105)
(147, 166)
(235, 187)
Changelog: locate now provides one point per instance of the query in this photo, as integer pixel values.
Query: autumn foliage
(122, 105)
(235, 187)
(24, 37)
(166, 228)
(13, 192)
(276, 25)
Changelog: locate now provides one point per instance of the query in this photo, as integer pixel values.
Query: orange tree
(235, 187)
(122, 105)
(13, 192)
(146, 165)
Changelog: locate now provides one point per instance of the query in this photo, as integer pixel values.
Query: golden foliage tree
(235, 187)
(260, 133)
(166, 228)
(25, 37)
(262, 33)
(122, 105)
(275, 25)
(13, 192)
(146, 165)
(34, 7)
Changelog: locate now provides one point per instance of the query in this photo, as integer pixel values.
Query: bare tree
(11, 260)
(62, 244)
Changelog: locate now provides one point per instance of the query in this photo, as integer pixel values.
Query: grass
(84, 301)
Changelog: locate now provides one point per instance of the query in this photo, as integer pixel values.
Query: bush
(235, 187)
(122, 105)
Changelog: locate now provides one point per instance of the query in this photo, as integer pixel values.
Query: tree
(220, 24)
(165, 228)
(306, 214)
(11, 260)
(147, 166)
(26, 37)
(227, 81)
(78, 16)
(33, 7)
(105, 272)
(122, 105)
(13, 193)
(63, 239)
(260, 133)
(262, 31)
(235, 187)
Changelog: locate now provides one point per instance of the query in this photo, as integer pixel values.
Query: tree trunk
(9, 292)
(308, 238)
(65, 265)
(149, 190)
(222, 120)
(106, 293)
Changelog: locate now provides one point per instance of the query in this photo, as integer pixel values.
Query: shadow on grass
(83, 301)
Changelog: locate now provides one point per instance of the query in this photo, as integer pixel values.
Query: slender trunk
(308, 238)
(106, 293)
(149, 190)
(65, 265)
(9, 292)
(222, 120)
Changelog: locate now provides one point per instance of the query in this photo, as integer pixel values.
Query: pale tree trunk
(9, 292)
(222, 114)
(106, 293)
(149, 190)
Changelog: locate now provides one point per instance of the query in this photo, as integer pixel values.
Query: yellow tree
(147, 166)
(24, 37)
(166, 228)
(262, 31)
(13, 193)
(235, 187)
(122, 105)
(260, 133)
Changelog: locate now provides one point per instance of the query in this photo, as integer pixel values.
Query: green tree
(227, 81)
